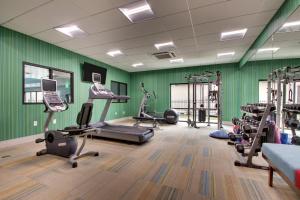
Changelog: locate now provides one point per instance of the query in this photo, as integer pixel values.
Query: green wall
(240, 86)
(16, 119)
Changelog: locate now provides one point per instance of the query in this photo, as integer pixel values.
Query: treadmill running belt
(126, 129)
(127, 133)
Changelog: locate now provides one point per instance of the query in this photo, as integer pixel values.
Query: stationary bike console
(54, 103)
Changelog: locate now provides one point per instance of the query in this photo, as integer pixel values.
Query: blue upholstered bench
(285, 160)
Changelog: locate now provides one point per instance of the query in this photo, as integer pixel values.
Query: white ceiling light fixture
(290, 27)
(289, 24)
(137, 11)
(114, 53)
(164, 45)
(226, 54)
(71, 30)
(137, 64)
(177, 60)
(233, 35)
(266, 50)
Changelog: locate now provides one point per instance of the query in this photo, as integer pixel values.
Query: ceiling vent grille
(164, 55)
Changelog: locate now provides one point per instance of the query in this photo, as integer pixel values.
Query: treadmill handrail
(121, 97)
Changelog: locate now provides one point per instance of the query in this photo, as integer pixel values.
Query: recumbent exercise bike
(64, 142)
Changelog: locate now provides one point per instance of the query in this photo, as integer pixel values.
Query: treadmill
(102, 129)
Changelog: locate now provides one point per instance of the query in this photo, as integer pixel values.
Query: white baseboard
(120, 119)
(227, 123)
(21, 140)
(31, 138)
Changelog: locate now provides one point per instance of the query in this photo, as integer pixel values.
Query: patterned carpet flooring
(177, 163)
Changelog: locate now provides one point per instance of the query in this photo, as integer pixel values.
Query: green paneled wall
(160, 81)
(16, 119)
(240, 86)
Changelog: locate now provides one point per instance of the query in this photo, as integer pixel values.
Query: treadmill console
(52, 101)
(97, 90)
(100, 90)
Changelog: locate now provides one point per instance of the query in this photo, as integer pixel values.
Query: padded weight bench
(285, 160)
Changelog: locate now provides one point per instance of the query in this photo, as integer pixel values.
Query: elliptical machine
(170, 116)
(64, 142)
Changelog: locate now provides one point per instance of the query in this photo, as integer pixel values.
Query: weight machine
(214, 97)
(277, 90)
(291, 120)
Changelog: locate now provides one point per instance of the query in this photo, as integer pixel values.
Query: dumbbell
(235, 120)
(240, 148)
(247, 128)
(231, 136)
(245, 137)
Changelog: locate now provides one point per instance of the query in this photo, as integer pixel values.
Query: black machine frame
(208, 78)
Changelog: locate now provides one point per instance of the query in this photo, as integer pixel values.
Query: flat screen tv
(88, 70)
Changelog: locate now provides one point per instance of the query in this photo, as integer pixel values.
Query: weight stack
(202, 115)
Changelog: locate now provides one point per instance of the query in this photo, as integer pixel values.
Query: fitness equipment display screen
(89, 69)
(48, 85)
(96, 78)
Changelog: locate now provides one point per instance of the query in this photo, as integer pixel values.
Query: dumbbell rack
(290, 112)
(245, 127)
(248, 124)
(258, 109)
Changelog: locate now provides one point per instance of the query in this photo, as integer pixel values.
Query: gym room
(149, 99)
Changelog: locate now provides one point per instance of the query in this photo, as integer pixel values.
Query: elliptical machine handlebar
(146, 91)
(154, 94)
(143, 88)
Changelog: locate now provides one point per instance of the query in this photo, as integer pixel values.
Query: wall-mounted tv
(88, 70)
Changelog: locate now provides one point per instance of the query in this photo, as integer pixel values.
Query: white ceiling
(108, 29)
(289, 43)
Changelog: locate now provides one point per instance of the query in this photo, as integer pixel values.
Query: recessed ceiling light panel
(114, 53)
(268, 50)
(71, 30)
(137, 64)
(137, 11)
(290, 27)
(226, 54)
(233, 35)
(177, 60)
(164, 45)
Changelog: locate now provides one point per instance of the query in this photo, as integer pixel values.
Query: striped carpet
(178, 163)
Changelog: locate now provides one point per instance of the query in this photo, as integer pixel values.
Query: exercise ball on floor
(219, 134)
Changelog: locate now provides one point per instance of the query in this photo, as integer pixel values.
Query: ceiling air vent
(164, 55)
